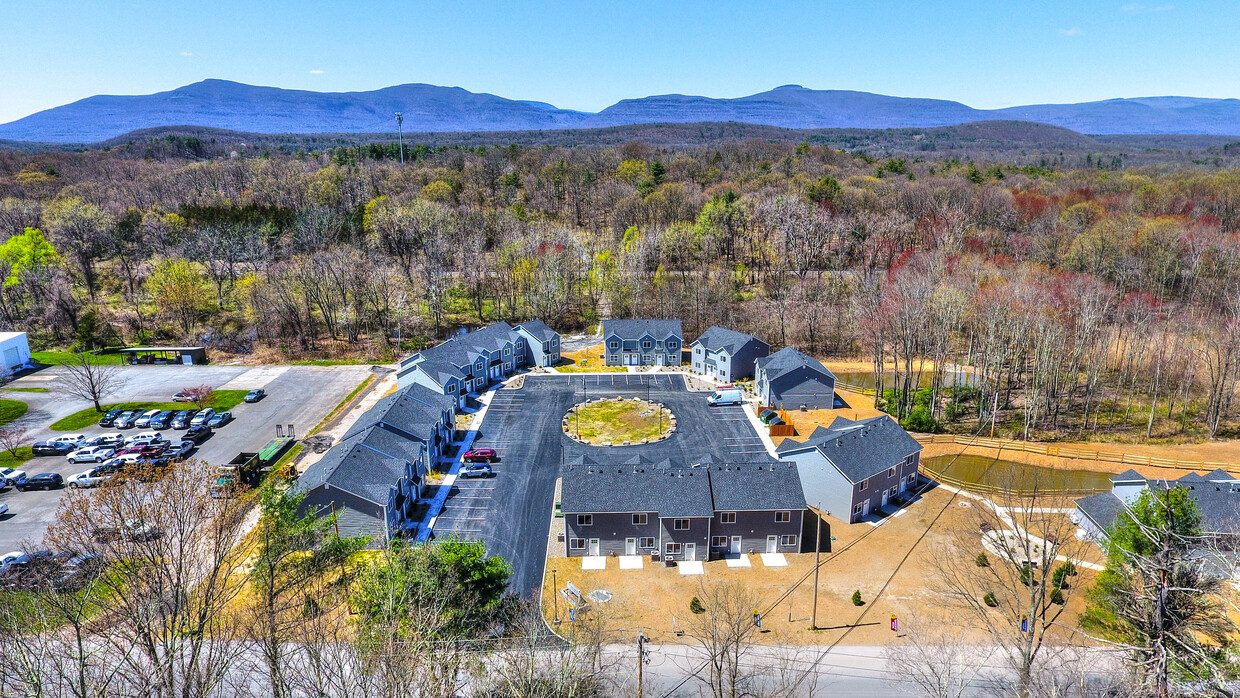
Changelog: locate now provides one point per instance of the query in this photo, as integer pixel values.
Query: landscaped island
(619, 421)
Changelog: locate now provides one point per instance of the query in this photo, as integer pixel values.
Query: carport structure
(165, 355)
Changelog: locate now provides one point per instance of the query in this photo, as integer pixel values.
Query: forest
(1087, 295)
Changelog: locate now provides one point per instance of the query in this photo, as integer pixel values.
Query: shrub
(981, 560)
(1057, 597)
(856, 598)
(920, 419)
(695, 605)
(990, 600)
(1059, 578)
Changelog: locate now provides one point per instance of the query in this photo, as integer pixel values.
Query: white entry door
(772, 544)
(594, 546)
(884, 498)
(631, 359)
(865, 508)
(630, 546)
(690, 551)
(736, 545)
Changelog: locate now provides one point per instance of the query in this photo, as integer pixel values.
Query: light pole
(400, 135)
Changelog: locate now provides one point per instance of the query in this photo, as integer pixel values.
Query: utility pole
(994, 414)
(555, 596)
(400, 134)
(641, 660)
(813, 618)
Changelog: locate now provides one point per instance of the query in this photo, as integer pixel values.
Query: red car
(145, 450)
(481, 455)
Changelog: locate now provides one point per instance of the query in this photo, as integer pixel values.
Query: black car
(51, 448)
(181, 420)
(161, 420)
(197, 434)
(255, 395)
(109, 419)
(43, 481)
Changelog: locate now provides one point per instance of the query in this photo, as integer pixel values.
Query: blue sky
(589, 54)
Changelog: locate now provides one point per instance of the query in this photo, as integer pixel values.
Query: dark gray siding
(698, 534)
(753, 527)
(355, 516)
(881, 483)
(611, 530)
(803, 386)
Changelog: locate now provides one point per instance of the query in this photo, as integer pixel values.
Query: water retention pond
(987, 474)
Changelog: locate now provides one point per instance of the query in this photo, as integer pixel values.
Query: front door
(772, 544)
(594, 546)
(630, 546)
(865, 508)
(735, 548)
(630, 359)
(690, 551)
(884, 498)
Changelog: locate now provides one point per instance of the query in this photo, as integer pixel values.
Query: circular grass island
(619, 422)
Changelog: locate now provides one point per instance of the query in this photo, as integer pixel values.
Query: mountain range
(430, 108)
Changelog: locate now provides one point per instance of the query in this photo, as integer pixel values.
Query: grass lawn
(8, 460)
(11, 410)
(618, 421)
(586, 361)
(220, 400)
(30, 390)
(58, 358)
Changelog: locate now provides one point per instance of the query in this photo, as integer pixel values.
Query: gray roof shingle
(756, 487)
(1217, 495)
(716, 338)
(635, 329)
(355, 469)
(671, 492)
(859, 450)
(789, 359)
(539, 329)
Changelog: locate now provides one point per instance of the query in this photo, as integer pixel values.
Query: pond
(985, 473)
(865, 379)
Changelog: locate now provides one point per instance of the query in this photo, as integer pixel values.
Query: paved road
(300, 395)
(511, 511)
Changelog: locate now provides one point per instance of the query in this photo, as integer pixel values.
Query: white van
(726, 395)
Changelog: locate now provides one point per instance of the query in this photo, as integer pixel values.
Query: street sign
(572, 615)
(895, 624)
(757, 618)
(1024, 623)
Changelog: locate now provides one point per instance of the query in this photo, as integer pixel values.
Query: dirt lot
(860, 407)
(571, 362)
(657, 598)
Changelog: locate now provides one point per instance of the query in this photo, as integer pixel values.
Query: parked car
(255, 395)
(180, 449)
(9, 558)
(77, 569)
(126, 419)
(144, 437)
(481, 455)
(476, 470)
(182, 418)
(28, 568)
(139, 530)
(181, 397)
(144, 420)
(198, 433)
(89, 478)
(112, 466)
(50, 448)
(109, 419)
(12, 476)
(144, 450)
(98, 454)
(161, 420)
(126, 459)
(202, 417)
(4, 508)
(110, 439)
(74, 440)
(220, 419)
(43, 481)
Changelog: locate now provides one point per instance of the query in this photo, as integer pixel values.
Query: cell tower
(401, 135)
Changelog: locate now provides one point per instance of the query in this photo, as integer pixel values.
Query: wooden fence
(1076, 453)
(856, 388)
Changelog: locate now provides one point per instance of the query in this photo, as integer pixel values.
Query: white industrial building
(15, 351)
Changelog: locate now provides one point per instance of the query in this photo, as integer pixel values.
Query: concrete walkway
(427, 524)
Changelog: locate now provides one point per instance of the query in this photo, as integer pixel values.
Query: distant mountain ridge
(430, 108)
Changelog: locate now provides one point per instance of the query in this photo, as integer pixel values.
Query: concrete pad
(690, 567)
(774, 560)
(738, 561)
(594, 562)
(631, 562)
(255, 378)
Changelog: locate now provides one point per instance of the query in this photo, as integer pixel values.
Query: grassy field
(220, 400)
(8, 460)
(58, 358)
(618, 421)
(29, 390)
(586, 361)
(11, 410)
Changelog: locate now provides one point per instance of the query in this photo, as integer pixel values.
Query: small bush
(1059, 578)
(981, 560)
(856, 598)
(1057, 597)
(990, 600)
(695, 605)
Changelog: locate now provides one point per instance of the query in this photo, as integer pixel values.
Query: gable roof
(787, 360)
(356, 469)
(1217, 495)
(720, 338)
(859, 450)
(415, 409)
(671, 492)
(1128, 475)
(635, 329)
(756, 487)
(538, 329)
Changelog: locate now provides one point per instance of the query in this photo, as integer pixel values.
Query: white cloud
(187, 53)
(1132, 7)
(1070, 32)
(1138, 7)
(316, 72)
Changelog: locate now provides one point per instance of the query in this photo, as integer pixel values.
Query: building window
(891, 492)
(613, 345)
(783, 516)
(577, 544)
(671, 345)
(891, 473)
(520, 345)
(479, 366)
(719, 541)
(865, 484)
(787, 540)
(673, 548)
(681, 525)
(614, 358)
(646, 543)
(727, 517)
(645, 344)
(585, 519)
(639, 519)
(857, 509)
(911, 477)
(507, 351)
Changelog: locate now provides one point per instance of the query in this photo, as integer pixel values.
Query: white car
(74, 440)
(145, 437)
(98, 454)
(104, 440)
(128, 458)
(12, 475)
(145, 419)
(4, 508)
(90, 478)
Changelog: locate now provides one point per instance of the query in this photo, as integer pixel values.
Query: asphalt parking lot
(511, 511)
(298, 395)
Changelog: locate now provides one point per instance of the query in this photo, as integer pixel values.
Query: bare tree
(937, 659)
(87, 378)
(12, 438)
